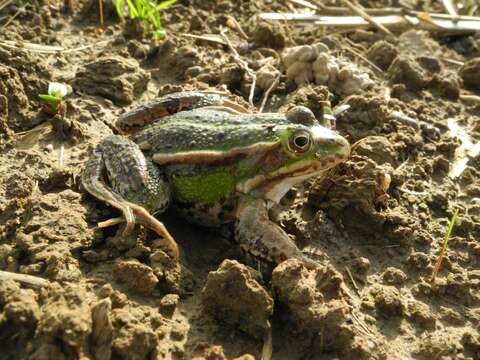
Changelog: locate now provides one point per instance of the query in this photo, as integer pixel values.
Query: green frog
(215, 163)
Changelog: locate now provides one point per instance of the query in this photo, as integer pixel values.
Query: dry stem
(32, 281)
(357, 9)
(242, 63)
(267, 93)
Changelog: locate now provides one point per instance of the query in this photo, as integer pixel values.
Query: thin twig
(454, 62)
(365, 328)
(267, 93)
(304, 3)
(358, 9)
(46, 49)
(207, 37)
(86, 47)
(61, 156)
(243, 64)
(100, 9)
(363, 58)
(30, 280)
(352, 280)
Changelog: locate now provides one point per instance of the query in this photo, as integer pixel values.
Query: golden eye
(300, 142)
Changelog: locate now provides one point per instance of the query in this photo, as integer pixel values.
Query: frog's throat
(275, 185)
(212, 156)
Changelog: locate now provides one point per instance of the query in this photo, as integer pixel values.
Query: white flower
(58, 90)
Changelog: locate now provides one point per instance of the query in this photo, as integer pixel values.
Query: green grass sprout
(469, 7)
(147, 12)
(56, 93)
(438, 262)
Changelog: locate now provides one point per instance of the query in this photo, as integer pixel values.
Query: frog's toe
(144, 218)
(129, 220)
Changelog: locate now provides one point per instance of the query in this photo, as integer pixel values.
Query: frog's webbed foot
(174, 103)
(133, 179)
(261, 237)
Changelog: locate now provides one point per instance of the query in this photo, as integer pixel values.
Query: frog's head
(306, 149)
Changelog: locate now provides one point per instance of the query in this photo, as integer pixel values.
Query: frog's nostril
(343, 145)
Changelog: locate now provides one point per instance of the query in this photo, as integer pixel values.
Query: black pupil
(301, 141)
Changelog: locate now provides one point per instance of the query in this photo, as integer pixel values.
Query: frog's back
(208, 130)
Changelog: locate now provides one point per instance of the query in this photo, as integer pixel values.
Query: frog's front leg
(261, 237)
(135, 187)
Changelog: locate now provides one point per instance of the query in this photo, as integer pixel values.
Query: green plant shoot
(438, 262)
(56, 93)
(147, 12)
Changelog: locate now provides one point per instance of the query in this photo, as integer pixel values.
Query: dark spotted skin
(168, 105)
(207, 214)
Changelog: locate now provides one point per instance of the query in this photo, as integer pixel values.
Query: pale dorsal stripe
(211, 156)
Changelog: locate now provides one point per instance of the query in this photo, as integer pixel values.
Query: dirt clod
(269, 35)
(388, 300)
(118, 79)
(406, 70)
(312, 297)
(382, 54)
(136, 276)
(168, 304)
(470, 73)
(231, 282)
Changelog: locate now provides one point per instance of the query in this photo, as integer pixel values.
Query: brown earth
(375, 223)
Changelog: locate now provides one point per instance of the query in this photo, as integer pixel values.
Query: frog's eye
(300, 142)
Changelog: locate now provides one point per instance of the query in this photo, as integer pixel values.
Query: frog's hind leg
(261, 237)
(136, 185)
(171, 104)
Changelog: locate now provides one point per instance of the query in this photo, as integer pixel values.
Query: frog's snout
(332, 147)
(343, 146)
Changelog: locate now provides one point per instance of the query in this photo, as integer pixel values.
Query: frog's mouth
(275, 185)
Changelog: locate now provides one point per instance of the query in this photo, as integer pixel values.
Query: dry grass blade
(207, 37)
(61, 156)
(47, 49)
(340, 21)
(364, 59)
(359, 11)
(450, 7)
(304, 3)
(243, 64)
(391, 21)
(267, 93)
(100, 10)
(29, 280)
(440, 256)
(30, 46)
(352, 280)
